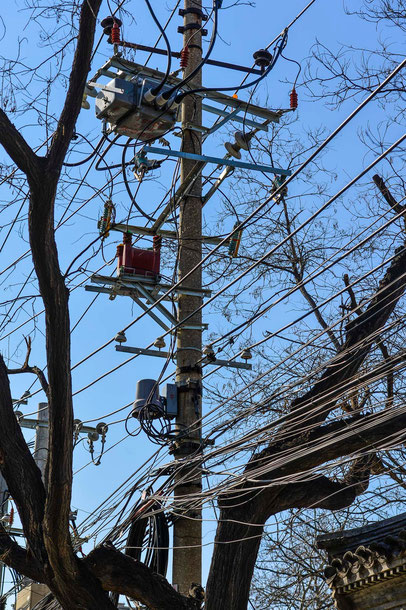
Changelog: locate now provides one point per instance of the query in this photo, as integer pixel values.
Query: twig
(387, 195)
(26, 368)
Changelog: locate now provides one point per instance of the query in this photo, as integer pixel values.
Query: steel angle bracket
(141, 351)
(231, 364)
(138, 288)
(216, 160)
(117, 65)
(149, 231)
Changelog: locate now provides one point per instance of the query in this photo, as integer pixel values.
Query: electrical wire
(161, 85)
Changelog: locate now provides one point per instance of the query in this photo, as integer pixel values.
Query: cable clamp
(193, 11)
(195, 368)
(192, 26)
(195, 46)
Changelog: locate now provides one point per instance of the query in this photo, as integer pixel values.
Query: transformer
(148, 403)
(137, 261)
(122, 104)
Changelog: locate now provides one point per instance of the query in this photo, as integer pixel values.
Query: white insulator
(120, 337)
(233, 149)
(246, 354)
(173, 104)
(149, 97)
(161, 100)
(159, 342)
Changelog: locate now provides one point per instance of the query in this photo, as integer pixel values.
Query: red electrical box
(137, 261)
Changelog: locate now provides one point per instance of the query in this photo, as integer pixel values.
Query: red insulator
(157, 242)
(127, 238)
(293, 99)
(11, 517)
(115, 33)
(184, 57)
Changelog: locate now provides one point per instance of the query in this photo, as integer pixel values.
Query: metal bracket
(192, 26)
(139, 287)
(193, 11)
(123, 228)
(216, 160)
(231, 364)
(142, 351)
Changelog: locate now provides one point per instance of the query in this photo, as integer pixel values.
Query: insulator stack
(293, 99)
(111, 27)
(138, 261)
(184, 57)
(235, 241)
(115, 33)
(127, 239)
(157, 242)
(11, 517)
(104, 223)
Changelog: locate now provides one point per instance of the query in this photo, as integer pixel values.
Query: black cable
(279, 49)
(127, 186)
(104, 153)
(92, 154)
(155, 529)
(293, 61)
(159, 87)
(193, 73)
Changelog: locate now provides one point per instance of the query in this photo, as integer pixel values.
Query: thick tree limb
(55, 297)
(379, 341)
(77, 81)
(18, 149)
(20, 471)
(322, 492)
(239, 520)
(121, 573)
(18, 558)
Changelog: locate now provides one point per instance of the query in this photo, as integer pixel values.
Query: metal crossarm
(216, 160)
(139, 287)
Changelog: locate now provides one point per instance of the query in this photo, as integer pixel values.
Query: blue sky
(242, 30)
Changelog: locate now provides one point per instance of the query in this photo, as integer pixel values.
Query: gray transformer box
(121, 104)
(170, 396)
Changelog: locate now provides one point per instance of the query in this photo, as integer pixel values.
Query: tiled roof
(365, 556)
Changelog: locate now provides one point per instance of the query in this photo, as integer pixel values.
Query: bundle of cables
(148, 536)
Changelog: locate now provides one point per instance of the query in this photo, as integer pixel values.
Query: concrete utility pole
(3, 511)
(187, 532)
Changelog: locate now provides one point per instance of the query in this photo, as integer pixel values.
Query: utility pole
(3, 512)
(187, 531)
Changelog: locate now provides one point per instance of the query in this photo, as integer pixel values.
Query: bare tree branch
(22, 475)
(18, 558)
(26, 368)
(379, 341)
(399, 209)
(298, 275)
(77, 82)
(18, 149)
